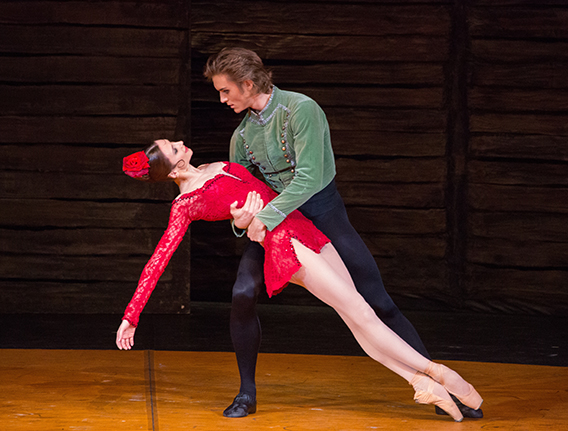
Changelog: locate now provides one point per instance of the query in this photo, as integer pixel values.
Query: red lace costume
(211, 202)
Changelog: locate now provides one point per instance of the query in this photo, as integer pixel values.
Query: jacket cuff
(271, 216)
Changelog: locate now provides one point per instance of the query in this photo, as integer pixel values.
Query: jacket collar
(263, 117)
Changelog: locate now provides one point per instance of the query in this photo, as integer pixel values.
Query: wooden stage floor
(164, 390)
(63, 372)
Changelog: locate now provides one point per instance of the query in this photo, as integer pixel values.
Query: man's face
(238, 98)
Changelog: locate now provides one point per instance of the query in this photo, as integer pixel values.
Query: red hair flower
(136, 165)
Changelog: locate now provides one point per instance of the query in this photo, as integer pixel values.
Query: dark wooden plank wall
(448, 121)
(517, 253)
(449, 124)
(82, 84)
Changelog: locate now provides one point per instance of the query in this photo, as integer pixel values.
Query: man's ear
(248, 85)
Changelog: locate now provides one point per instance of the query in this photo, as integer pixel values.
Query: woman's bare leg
(325, 276)
(333, 261)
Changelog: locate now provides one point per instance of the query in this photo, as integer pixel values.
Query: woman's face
(175, 151)
(238, 98)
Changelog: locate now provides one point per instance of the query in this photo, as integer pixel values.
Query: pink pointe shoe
(429, 391)
(455, 385)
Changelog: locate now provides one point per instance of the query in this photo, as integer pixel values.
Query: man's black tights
(327, 211)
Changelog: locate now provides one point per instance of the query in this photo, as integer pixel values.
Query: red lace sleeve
(177, 227)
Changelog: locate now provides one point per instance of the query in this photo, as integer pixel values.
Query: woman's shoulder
(183, 199)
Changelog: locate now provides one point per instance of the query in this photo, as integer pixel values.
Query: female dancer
(295, 252)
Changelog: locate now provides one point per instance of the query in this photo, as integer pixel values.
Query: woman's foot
(455, 385)
(428, 391)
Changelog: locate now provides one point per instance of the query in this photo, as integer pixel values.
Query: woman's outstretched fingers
(125, 336)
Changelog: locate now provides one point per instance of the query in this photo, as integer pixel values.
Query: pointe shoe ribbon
(428, 391)
(455, 385)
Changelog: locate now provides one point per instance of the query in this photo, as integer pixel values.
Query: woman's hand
(243, 216)
(125, 335)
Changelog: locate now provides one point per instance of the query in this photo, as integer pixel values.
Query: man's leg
(245, 327)
(327, 211)
(367, 277)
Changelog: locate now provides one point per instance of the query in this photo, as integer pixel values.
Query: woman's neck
(193, 178)
(187, 178)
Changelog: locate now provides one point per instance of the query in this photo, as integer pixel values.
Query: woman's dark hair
(240, 65)
(160, 166)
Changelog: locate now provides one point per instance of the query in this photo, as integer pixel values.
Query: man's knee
(386, 309)
(245, 293)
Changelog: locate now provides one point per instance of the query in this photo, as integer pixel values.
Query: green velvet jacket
(289, 142)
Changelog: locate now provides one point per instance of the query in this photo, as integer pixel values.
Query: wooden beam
(457, 150)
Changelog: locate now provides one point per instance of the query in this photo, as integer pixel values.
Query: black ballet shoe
(466, 411)
(242, 406)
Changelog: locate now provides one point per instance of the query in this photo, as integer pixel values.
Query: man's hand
(256, 230)
(243, 216)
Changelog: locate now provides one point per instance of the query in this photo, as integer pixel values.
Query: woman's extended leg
(325, 276)
(327, 211)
